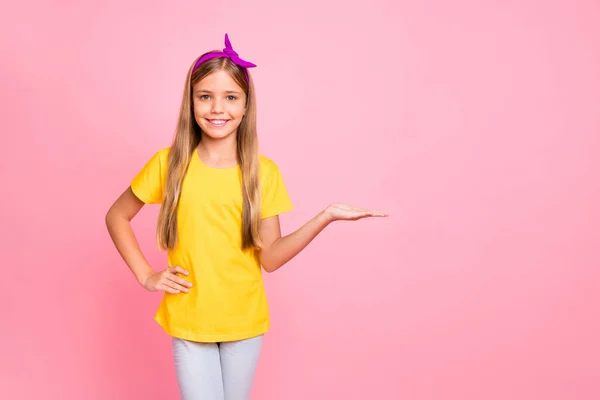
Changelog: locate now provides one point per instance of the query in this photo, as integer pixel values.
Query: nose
(217, 105)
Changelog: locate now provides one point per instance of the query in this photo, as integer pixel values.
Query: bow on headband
(229, 53)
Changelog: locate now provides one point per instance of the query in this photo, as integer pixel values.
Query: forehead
(218, 81)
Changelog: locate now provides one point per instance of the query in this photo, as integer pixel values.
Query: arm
(279, 250)
(118, 222)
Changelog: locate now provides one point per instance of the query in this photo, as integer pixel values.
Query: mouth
(218, 123)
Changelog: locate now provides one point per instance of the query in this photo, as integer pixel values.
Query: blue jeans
(216, 371)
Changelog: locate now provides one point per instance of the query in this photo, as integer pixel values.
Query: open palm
(345, 212)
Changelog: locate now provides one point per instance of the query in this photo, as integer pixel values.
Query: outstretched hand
(345, 212)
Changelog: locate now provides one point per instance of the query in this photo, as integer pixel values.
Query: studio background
(474, 124)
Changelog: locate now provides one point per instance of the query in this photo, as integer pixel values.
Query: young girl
(218, 220)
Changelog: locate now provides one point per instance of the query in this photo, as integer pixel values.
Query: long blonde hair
(187, 138)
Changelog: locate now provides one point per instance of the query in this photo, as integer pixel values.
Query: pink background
(475, 124)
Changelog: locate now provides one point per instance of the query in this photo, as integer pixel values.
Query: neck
(217, 151)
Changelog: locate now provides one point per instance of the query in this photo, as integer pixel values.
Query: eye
(231, 97)
(204, 97)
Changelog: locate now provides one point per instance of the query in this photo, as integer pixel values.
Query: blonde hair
(187, 138)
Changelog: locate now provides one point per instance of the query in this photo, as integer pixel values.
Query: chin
(212, 136)
(218, 134)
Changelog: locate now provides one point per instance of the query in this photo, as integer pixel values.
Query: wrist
(325, 217)
(143, 277)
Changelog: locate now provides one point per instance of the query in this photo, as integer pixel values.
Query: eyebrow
(208, 91)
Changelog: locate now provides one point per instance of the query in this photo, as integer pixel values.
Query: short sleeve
(275, 199)
(147, 185)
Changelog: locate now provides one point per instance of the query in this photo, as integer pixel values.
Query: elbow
(268, 257)
(269, 267)
(108, 217)
(112, 217)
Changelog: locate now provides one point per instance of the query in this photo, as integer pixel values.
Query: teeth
(218, 121)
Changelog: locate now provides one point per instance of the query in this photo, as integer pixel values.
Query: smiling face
(219, 105)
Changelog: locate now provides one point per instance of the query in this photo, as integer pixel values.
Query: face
(219, 105)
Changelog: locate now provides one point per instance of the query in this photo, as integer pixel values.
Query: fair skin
(218, 98)
(219, 106)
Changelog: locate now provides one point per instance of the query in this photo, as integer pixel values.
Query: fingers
(180, 283)
(173, 287)
(368, 213)
(168, 289)
(172, 283)
(378, 214)
(371, 213)
(177, 269)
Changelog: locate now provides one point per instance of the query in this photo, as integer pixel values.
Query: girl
(218, 220)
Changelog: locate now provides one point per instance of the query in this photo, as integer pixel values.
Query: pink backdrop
(475, 124)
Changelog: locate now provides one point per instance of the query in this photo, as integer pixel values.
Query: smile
(218, 123)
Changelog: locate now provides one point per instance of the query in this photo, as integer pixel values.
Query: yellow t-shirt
(227, 301)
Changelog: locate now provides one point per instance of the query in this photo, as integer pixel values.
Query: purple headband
(227, 52)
